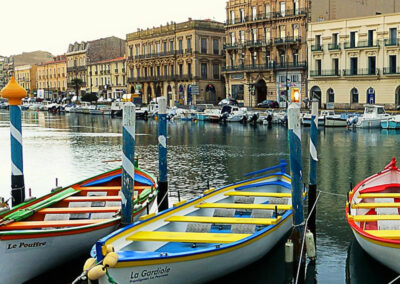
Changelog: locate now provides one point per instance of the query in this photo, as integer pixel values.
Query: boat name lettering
(26, 245)
(149, 274)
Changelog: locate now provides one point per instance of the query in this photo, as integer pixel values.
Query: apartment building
(26, 77)
(266, 50)
(355, 61)
(52, 77)
(181, 61)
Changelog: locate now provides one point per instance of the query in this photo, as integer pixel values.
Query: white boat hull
(187, 271)
(335, 122)
(25, 259)
(369, 123)
(388, 256)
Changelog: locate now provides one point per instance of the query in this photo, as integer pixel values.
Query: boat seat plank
(50, 224)
(379, 188)
(74, 210)
(186, 237)
(258, 194)
(387, 234)
(92, 198)
(379, 195)
(224, 220)
(109, 188)
(376, 205)
(245, 206)
(373, 218)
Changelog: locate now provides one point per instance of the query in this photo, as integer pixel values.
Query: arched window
(371, 96)
(331, 95)
(354, 96)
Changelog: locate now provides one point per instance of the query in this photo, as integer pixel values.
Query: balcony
(333, 46)
(116, 70)
(179, 52)
(316, 47)
(72, 86)
(252, 67)
(188, 51)
(161, 78)
(123, 70)
(291, 65)
(325, 73)
(361, 72)
(287, 40)
(254, 43)
(391, 71)
(360, 44)
(266, 16)
(235, 45)
(130, 58)
(392, 42)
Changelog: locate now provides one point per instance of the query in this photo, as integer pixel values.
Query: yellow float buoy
(111, 259)
(97, 272)
(90, 262)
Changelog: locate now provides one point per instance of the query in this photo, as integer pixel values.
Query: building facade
(80, 55)
(266, 50)
(26, 77)
(107, 78)
(181, 61)
(326, 10)
(3, 81)
(52, 77)
(355, 61)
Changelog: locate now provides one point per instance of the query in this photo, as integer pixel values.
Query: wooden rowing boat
(373, 215)
(45, 232)
(196, 241)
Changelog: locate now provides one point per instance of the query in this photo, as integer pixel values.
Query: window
(267, 58)
(296, 7)
(267, 32)
(393, 36)
(158, 47)
(282, 58)
(353, 39)
(145, 72)
(241, 35)
(371, 38)
(353, 65)
(189, 44)
(180, 44)
(158, 71)
(203, 70)
(172, 70)
(254, 35)
(242, 18)
(151, 71)
(131, 71)
(267, 11)
(282, 31)
(137, 72)
(254, 58)
(180, 69)
(282, 6)
(216, 46)
(254, 13)
(165, 70)
(335, 64)
(238, 92)
(295, 57)
(165, 46)
(171, 46)
(130, 51)
(233, 38)
(189, 67)
(371, 65)
(318, 42)
(232, 17)
(97, 82)
(392, 64)
(335, 40)
(116, 80)
(331, 95)
(137, 50)
(318, 66)
(296, 33)
(216, 71)
(203, 45)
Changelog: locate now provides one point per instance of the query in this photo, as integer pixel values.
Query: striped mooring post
(15, 93)
(162, 197)
(128, 162)
(296, 174)
(312, 189)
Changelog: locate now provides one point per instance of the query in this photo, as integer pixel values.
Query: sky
(51, 25)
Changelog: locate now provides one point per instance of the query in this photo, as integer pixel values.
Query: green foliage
(89, 97)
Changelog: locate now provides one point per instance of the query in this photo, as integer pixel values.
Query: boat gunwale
(137, 225)
(370, 238)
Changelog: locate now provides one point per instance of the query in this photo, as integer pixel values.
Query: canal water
(72, 147)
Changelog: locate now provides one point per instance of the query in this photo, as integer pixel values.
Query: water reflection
(74, 146)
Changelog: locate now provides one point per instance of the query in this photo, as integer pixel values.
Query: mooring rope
(394, 280)
(336, 194)
(304, 235)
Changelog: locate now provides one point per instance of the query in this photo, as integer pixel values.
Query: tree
(77, 84)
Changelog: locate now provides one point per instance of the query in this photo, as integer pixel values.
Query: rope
(165, 195)
(304, 236)
(336, 194)
(394, 280)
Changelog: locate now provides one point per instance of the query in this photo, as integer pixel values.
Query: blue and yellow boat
(202, 239)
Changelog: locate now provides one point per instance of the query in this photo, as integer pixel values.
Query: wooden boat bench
(258, 194)
(379, 195)
(387, 234)
(373, 218)
(24, 225)
(109, 188)
(77, 210)
(375, 205)
(186, 237)
(379, 188)
(224, 220)
(92, 198)
(245, 206)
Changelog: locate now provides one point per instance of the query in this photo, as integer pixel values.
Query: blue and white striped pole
(312, 189)
(128, 162)
(14, 93)
(296, 174)
(162, 197)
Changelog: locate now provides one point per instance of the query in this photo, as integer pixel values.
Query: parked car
(231, 102)
(268, 104)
